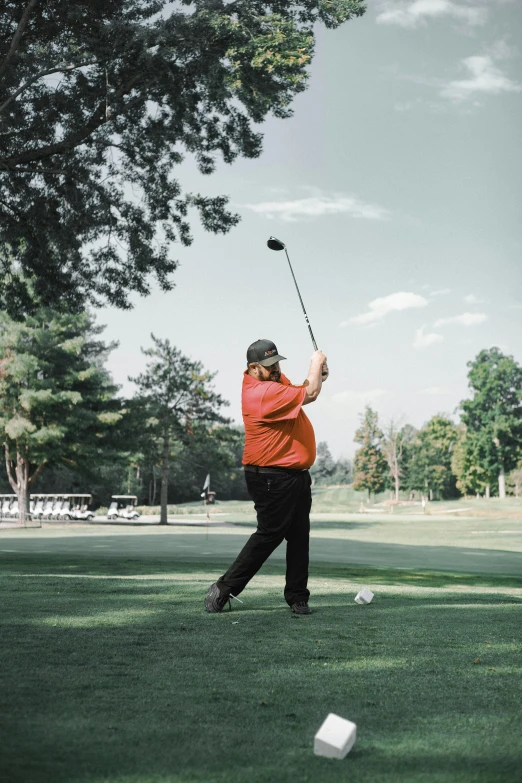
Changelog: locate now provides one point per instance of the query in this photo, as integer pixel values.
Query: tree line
(64, 427)
(479, 455)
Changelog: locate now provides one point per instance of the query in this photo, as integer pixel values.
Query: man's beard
(275, 376)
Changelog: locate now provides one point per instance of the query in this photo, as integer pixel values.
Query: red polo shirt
(277, 430)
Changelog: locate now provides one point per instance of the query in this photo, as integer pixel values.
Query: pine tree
(324, 465)
(370, 464)
(177, 398)
(57, 401)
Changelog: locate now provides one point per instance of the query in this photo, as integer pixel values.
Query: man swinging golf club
(279, 449)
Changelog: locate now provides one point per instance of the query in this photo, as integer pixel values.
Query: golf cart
(123, 506)
(8, 506)
(77, 507)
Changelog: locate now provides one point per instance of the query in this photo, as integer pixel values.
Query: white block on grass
(364, 596)
(335, 737)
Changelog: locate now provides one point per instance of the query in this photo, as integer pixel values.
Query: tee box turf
(335, 737)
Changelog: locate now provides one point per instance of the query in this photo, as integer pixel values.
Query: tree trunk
(397, 486)
(501, 482)
(487, 491)
(153, 487)
(18, 475)
(164, 477)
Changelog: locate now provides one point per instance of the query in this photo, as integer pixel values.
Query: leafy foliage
(514, 480)
(471, 477)
(428, 463)
(493, 415)
(99, 102)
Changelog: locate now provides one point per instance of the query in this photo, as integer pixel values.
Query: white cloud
(412, 14)
(358, 397)
(383, 305)
(501, 50)
(484, 78)
(472, 299)
(317, 206)
(466, 319)
(424, 340)
(441, 292)
(435, 391)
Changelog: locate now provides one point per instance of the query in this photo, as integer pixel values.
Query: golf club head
(275, 244)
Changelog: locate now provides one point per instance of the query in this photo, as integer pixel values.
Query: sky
(397, 188)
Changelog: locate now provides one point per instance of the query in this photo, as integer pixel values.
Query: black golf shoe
(301, 607)
(216, 600)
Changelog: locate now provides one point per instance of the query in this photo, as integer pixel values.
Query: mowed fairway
(113, 672)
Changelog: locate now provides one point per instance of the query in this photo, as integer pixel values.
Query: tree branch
(12, 209)
(48, 72)
(96, 120)
(32, 171)
(36, 473)
(18, 34)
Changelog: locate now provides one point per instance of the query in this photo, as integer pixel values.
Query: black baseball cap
(264, 352)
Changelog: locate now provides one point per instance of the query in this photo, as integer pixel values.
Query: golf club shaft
(300, 299)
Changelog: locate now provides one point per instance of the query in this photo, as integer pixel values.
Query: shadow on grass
(215, 565)
(319, 524)
(130, 681)
(217, 549)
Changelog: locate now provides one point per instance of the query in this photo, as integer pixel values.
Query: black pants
(282, 501)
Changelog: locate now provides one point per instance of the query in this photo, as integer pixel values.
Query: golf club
(276, 244)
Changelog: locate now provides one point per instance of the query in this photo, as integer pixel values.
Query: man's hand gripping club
(316, 375)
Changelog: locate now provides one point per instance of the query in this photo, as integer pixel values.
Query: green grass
(112, 672)
(343, 499)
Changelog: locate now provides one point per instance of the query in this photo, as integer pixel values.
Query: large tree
(57, 401)
(178, 399)
(493, 415)
(429, 458)
(471, 477)
(369, 464)
(100, 101)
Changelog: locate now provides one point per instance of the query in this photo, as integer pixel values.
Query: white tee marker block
(364, 596)
(335, 737)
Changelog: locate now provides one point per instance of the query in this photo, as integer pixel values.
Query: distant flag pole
(204, 495)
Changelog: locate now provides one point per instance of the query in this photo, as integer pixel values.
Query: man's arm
(314, 381)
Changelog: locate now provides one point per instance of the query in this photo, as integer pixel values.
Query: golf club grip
(325, 374)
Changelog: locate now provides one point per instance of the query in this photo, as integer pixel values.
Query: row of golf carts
(68, 507)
